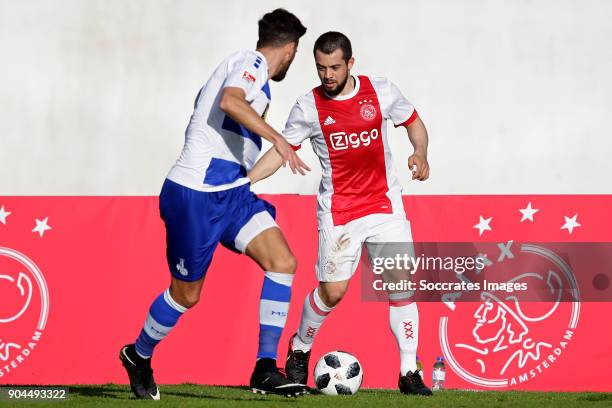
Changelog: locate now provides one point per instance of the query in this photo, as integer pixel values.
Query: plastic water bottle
(419, 366)
(438, 375)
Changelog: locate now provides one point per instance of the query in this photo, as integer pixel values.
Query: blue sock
(163, 315)
(273, 310)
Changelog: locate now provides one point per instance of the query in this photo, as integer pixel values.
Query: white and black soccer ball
(338, 373)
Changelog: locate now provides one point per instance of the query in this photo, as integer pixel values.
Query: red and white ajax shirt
(349, 135)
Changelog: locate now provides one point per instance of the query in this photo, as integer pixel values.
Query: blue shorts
(197, 221)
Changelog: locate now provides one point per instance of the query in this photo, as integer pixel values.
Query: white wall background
(517, 95)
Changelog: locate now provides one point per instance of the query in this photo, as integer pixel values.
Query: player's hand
(421, 172)
(289, 156)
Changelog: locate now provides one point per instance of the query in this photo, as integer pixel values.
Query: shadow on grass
(97, 391)
(114, 391)
(596, 397)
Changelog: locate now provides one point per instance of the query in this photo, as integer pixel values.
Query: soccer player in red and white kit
(359, 198)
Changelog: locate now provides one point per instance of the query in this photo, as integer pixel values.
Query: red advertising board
(77, 275)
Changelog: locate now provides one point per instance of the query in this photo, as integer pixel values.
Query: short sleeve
(248, 73)
(298, 127)
(394, 105)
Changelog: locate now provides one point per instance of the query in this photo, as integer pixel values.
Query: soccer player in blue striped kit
(206, 200)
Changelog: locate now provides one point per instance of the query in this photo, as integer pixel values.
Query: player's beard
(281, 75)
(283, 71)
(340, 87)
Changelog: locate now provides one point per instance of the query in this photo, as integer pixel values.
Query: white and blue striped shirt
(218, 151)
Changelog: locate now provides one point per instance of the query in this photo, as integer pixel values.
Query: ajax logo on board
(509, 338)
(23, 310)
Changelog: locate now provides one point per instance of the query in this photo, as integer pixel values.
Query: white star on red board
(483, 225)
(42, 226)
(528, 212)
(3, 215)
(571, 223)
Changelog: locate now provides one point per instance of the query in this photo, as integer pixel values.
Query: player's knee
(186, 298)
(334, 298)
(285, 264)
(331, 296)
(189, 300)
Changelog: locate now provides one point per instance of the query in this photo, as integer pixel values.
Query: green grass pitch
(189, 395)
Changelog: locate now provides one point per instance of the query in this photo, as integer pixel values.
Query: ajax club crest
(511, 338)
(367, 110)
(25, 307)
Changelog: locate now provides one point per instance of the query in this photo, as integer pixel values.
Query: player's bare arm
(233, 103)
(266, 166)
(419, 139)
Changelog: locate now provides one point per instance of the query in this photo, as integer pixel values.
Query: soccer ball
(338, 373)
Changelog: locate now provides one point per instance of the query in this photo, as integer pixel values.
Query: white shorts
(340, 246)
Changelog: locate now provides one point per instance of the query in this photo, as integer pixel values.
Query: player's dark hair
(331, 41)
(278, 28)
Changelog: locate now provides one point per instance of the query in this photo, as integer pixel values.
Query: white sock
(404, 320)
(313, 316)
